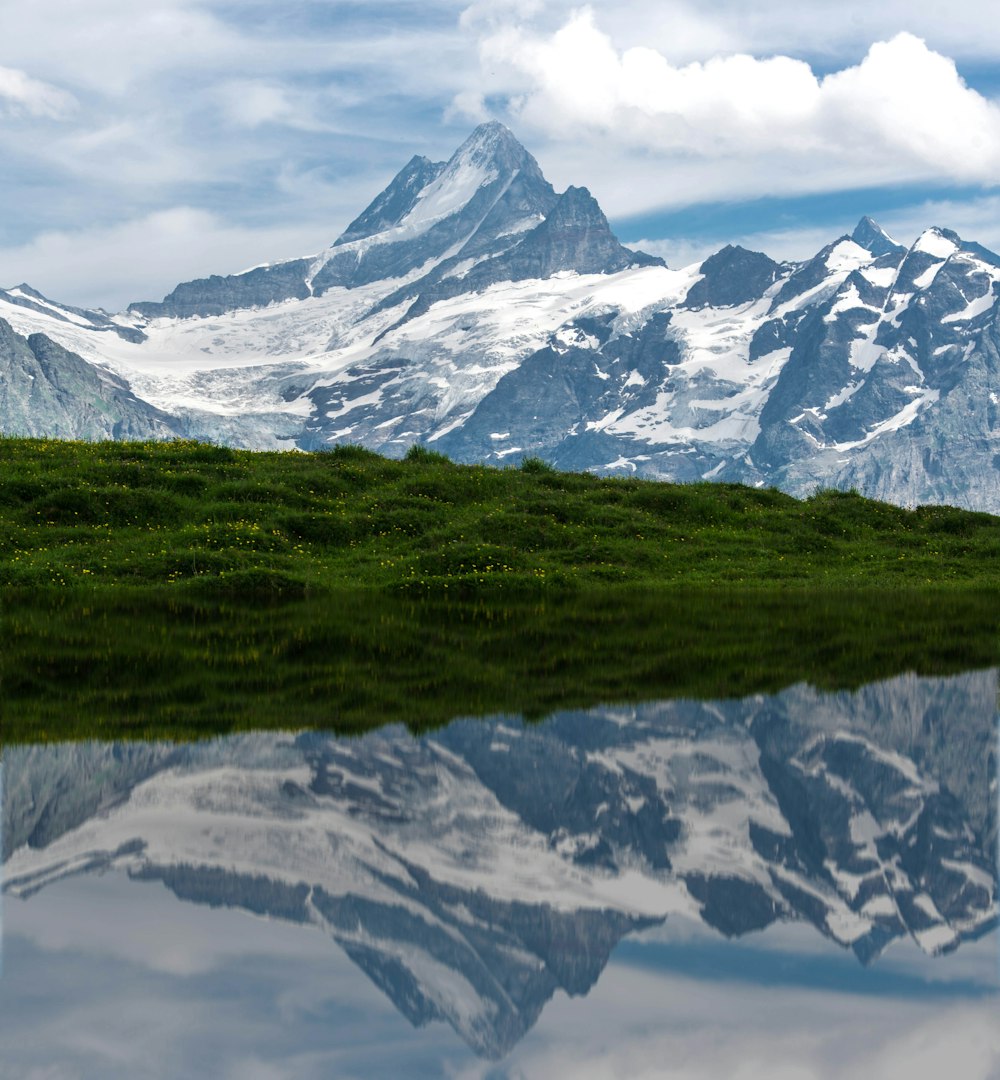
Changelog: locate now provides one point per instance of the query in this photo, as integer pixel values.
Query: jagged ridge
(471, 309)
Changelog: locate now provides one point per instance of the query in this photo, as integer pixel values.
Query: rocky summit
(473, 309)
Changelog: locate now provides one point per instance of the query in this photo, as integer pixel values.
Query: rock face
(398, 199)
(216, 295)
(45, 390)
(473, 872)
(731, 277)
(891, 383)
(574, 237)
(473, 309)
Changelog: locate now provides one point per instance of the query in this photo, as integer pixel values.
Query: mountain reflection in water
(473, 872)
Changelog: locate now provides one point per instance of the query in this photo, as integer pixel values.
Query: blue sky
(146, 144)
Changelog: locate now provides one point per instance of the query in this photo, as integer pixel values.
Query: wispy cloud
(241, 112)
(111, 266)
(19, 93)
(93, 960)
(684, 1029)
(213, 992)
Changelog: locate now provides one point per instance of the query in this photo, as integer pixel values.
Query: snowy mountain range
(472, 309)
(473, 872)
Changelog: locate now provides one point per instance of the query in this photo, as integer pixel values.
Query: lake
(552, 850)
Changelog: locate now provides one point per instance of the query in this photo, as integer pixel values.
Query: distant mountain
(477, 204)
(473, 309)
(472, 873)
(25, 297)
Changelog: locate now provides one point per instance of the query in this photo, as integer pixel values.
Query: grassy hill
(195, 517)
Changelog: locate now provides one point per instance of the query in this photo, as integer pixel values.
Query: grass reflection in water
(138, 665)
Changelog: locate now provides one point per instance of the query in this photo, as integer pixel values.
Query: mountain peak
(490, 133)
(492, 146)
(940, 243)
(577, 202)
(871, 236)
(424, 190)
(576, 236)
(732, 276)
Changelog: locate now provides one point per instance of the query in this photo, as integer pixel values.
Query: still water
(801, 884)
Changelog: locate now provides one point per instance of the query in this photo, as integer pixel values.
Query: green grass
(154, 665)
(197, 518)
(182, 589)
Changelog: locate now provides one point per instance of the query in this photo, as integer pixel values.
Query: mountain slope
(892, 382)
(47, 390)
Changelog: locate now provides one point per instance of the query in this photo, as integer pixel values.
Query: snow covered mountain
(472, 873)
(473, 309)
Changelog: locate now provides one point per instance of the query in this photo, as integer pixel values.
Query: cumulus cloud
(684, 30)
(21, 94)
(903, 113)
(468, 105)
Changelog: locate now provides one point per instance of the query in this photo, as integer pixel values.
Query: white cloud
(94, 960)
(109, 916)
(109, 45)
(19, 93)
(683, 30)
(468, 105)
(143, 258)
(251, 997)
(193, 102)
(251, 103)
(902, 114)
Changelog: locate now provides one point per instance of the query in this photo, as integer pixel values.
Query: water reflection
(473, 873)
